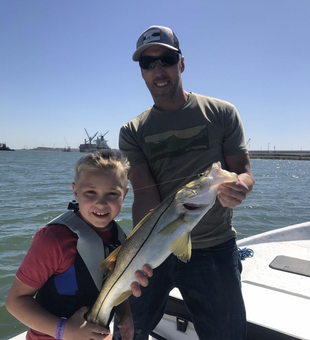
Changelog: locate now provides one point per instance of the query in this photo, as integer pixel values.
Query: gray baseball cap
(156, 35)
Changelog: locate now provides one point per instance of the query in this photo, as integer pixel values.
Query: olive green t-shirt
(181, 144)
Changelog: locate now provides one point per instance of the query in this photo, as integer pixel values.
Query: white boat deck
(277, 299)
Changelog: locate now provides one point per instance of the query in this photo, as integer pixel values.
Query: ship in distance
(90, 146)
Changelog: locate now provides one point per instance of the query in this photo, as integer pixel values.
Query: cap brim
(136, 56)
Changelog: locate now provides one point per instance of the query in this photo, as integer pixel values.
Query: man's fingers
(135, 288)
(236, 186)
(148, 270)
(142, 278)
(233, 192)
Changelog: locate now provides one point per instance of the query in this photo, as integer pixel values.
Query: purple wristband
(60, 328)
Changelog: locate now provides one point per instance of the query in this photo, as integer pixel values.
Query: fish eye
(201, 174)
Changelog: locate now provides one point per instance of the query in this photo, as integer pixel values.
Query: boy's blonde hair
(105, 159)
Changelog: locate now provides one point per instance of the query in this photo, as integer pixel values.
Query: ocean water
(36, 187)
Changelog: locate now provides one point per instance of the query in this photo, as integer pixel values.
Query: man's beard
(163, 96)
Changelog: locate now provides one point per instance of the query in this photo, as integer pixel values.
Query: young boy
(62, 265)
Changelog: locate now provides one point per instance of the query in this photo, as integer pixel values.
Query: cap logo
(151, 35)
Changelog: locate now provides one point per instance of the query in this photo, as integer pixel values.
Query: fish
(164, 230)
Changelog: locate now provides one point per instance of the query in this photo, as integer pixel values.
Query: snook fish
(165, 230)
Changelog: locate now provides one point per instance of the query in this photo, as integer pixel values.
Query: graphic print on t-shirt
(170, 144)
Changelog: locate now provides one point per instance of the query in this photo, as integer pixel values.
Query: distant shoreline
(45, 148)
(296, 158)
(254, 154)
(282, 154)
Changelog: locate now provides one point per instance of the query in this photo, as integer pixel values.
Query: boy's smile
(100, 195)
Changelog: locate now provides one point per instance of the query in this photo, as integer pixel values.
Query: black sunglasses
(166, 60)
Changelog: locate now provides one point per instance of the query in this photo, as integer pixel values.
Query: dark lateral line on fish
(173, 180)
(155, 224)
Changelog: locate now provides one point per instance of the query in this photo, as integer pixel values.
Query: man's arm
(146, 194)
(232, 194)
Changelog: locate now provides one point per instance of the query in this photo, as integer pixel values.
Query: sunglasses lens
(146, 62)
(166, 60)
(169, 60)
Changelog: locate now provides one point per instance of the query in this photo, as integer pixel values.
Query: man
(179, 137)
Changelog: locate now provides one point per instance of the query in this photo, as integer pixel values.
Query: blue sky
(65, 65)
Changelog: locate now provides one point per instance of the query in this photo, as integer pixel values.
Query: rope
(245, 253)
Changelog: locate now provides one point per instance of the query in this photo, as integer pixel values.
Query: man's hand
(232, 194)
(142, 276)
(126, 328)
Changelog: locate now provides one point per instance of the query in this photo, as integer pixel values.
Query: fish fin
(139, 224)
(182, 247)
(110, 259)
(124, 296)
(171, 227)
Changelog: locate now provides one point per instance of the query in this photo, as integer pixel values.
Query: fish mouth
(191, 206)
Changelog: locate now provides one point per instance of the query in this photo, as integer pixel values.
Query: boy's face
(100, 195)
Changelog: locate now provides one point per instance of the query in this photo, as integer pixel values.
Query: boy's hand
(77, 328)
